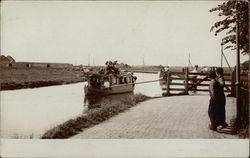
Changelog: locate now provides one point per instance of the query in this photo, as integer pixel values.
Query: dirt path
(170, 117)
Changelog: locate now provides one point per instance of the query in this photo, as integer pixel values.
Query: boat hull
(89, 90)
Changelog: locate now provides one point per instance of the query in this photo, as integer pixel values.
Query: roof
(11, 59)
(8, 59)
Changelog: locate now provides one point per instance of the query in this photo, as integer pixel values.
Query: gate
(183, 82)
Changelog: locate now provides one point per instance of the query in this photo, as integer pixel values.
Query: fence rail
(190, 81)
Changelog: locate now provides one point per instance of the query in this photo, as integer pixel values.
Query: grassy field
(17, 78)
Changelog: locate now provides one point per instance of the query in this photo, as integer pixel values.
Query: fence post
(186, 80)
(168, 82)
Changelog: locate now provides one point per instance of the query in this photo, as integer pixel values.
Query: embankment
(93, 117)
(19, 78)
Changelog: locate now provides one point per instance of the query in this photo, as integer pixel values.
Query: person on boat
(109, 67)
(213, 108)
(96, 80)
(115, 68)
(221, 96)
(102, 71)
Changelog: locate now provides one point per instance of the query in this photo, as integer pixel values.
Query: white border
(125, 148)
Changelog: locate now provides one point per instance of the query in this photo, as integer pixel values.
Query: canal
(28, 113)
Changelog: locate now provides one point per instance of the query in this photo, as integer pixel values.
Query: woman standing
(221, 96)
(213, 110)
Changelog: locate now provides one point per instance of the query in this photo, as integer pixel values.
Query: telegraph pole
(237, 84)
(221, 57)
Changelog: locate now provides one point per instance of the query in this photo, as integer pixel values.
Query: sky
(82, 32)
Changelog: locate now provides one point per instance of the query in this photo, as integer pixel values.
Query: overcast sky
(164, 32)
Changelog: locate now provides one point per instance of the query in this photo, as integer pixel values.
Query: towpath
(169, 117)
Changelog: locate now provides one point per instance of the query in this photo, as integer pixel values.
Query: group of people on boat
(110, 75)
(111, 68)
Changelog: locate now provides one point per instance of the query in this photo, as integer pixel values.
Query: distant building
(11, 59)
(42, 65)
(6, 61)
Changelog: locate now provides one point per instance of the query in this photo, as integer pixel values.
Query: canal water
(28, 113)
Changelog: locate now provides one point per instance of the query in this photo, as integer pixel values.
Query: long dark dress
(213, 109)
(221, 101)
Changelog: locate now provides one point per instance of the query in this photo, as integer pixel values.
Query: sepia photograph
(134, 71)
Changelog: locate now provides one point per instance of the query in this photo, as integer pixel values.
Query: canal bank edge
(77, 125)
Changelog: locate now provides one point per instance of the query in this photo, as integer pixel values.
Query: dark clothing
(213, 114)
(213, 109)
(221, 101)
(217, 102)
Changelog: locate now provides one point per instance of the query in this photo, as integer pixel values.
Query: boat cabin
(97, 80)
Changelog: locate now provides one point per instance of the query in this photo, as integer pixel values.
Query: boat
(110, 84)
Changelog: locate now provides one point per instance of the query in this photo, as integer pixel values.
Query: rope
(135, 83)
(226, 61)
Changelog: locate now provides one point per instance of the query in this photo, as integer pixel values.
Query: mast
(143, 62)
(189, 61)
(88, 60)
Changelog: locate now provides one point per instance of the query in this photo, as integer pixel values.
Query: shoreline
(79, 124)
(35, 84)
(21, 78)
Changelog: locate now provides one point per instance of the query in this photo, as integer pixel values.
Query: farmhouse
(6, 60)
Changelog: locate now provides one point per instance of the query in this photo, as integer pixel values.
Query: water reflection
(98, 101)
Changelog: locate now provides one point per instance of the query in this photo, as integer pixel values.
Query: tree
(231, 11)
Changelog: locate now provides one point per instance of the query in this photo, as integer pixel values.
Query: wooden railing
(196, 82)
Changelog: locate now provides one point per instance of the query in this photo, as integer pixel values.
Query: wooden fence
(188, 81)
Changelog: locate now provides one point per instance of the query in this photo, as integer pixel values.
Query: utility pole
(237, 84)
(221, 57)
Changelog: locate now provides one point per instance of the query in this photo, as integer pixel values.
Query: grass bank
(93, 117)
(19, 78)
